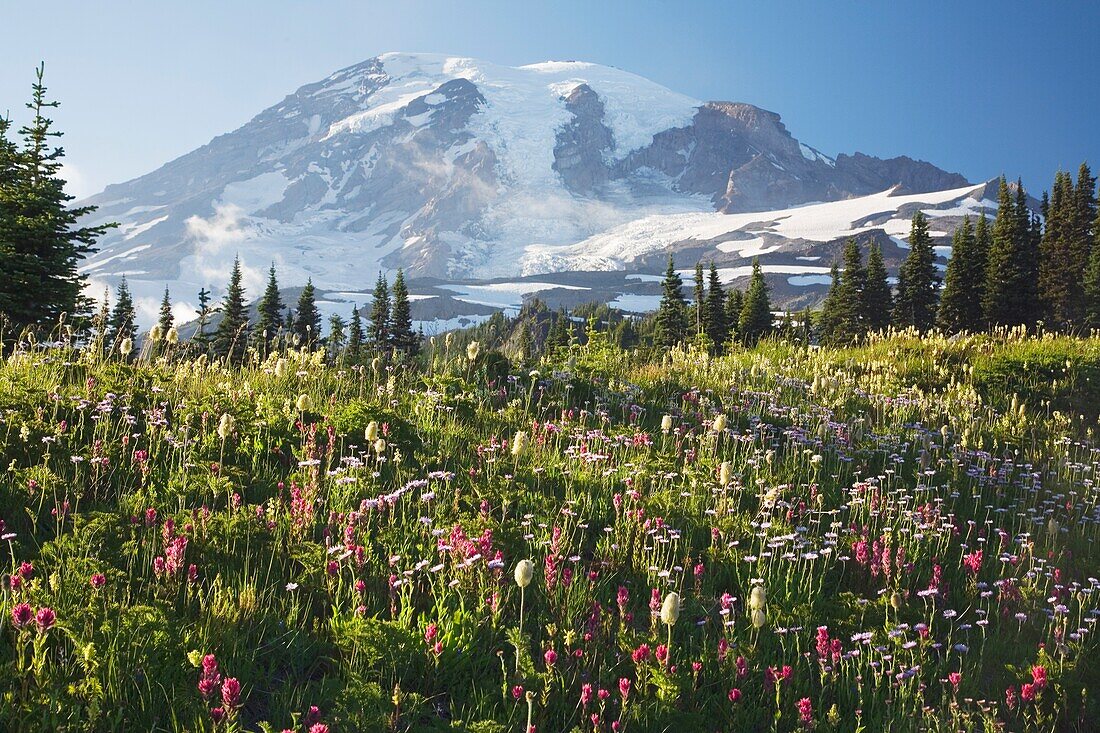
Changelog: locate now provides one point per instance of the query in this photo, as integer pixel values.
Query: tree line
(1021, 269)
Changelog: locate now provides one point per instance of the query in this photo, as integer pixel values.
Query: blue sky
(975, 87)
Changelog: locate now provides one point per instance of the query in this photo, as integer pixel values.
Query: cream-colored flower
(304, 403)
(525, 571)
(472, 350)
(226, 425)
(670, 609)
(281, 368)
(371, 433)
(666, 424)
(759, 618)
(719, 424)
(380, 446)
(758, 598)
(519, 444)
(724, 473)
(126, 346)
(173, 335)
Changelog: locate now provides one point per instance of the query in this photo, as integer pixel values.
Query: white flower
(759, 618)
(281, 368)
(226, 426)
(666, 423)
(724, 472)
(371, 433)
(758, 598)
(719, 424)
(304, 403)
(380, 446)
(472, 350)
(173, 335)
(156, 333)
(670, 609)
(525, 570)
(519, 444)
(126, 346)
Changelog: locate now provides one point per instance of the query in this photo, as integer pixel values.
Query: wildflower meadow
(899, 536)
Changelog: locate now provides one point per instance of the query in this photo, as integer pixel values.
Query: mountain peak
(453, 167)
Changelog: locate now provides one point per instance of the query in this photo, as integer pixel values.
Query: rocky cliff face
(452, 168)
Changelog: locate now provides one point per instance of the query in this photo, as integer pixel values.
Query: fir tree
(336, 335)
(355, 335)
(123, 321)
(828, 321)
(672, 312)
(101, 324)
(735, 300)
(1092, 280)
(41, 245)
(232, 332)
(878, 301)
(269, 313)
(307, 326)
(402, 335)
(1085, 208)
(165, 319)
(10, 298)
(850, 319)
(1008, 300)
(560, 333)
(756, 313)
(918, 281)
(1063, 257)
(716, 325)
(697, 306)
(961, 302)
(203, 317)
(378, 328)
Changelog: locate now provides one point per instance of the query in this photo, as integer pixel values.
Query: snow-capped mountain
(457, 169)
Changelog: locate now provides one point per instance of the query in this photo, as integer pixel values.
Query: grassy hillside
(896, 536)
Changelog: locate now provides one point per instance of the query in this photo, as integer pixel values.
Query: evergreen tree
(735, 300)
(378, 329)
(165, 319)
(123, 321)
(878, 301)
(560, 334)
(307, 326)
(828, 321)
(918, 281)
(756, 313)
(402, 335)
(1063, 257)
(1008, 300)
(850, 312)
(336, 335)
(269, 313)
(203, 316)
(10, 299)
(716, 325)
(672, 313)
(961, 302)
(1085, 208)
(41, 245)
(698, 307)
(101, 324)
(232, 332)
(1092, 280)
(355, 335)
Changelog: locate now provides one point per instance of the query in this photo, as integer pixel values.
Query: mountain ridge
(451, 167)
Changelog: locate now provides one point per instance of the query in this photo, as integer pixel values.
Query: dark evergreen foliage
(402, 336)
(672, 313)
(717, 327)
(918, 280)
(756, 313)
(232, 333)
